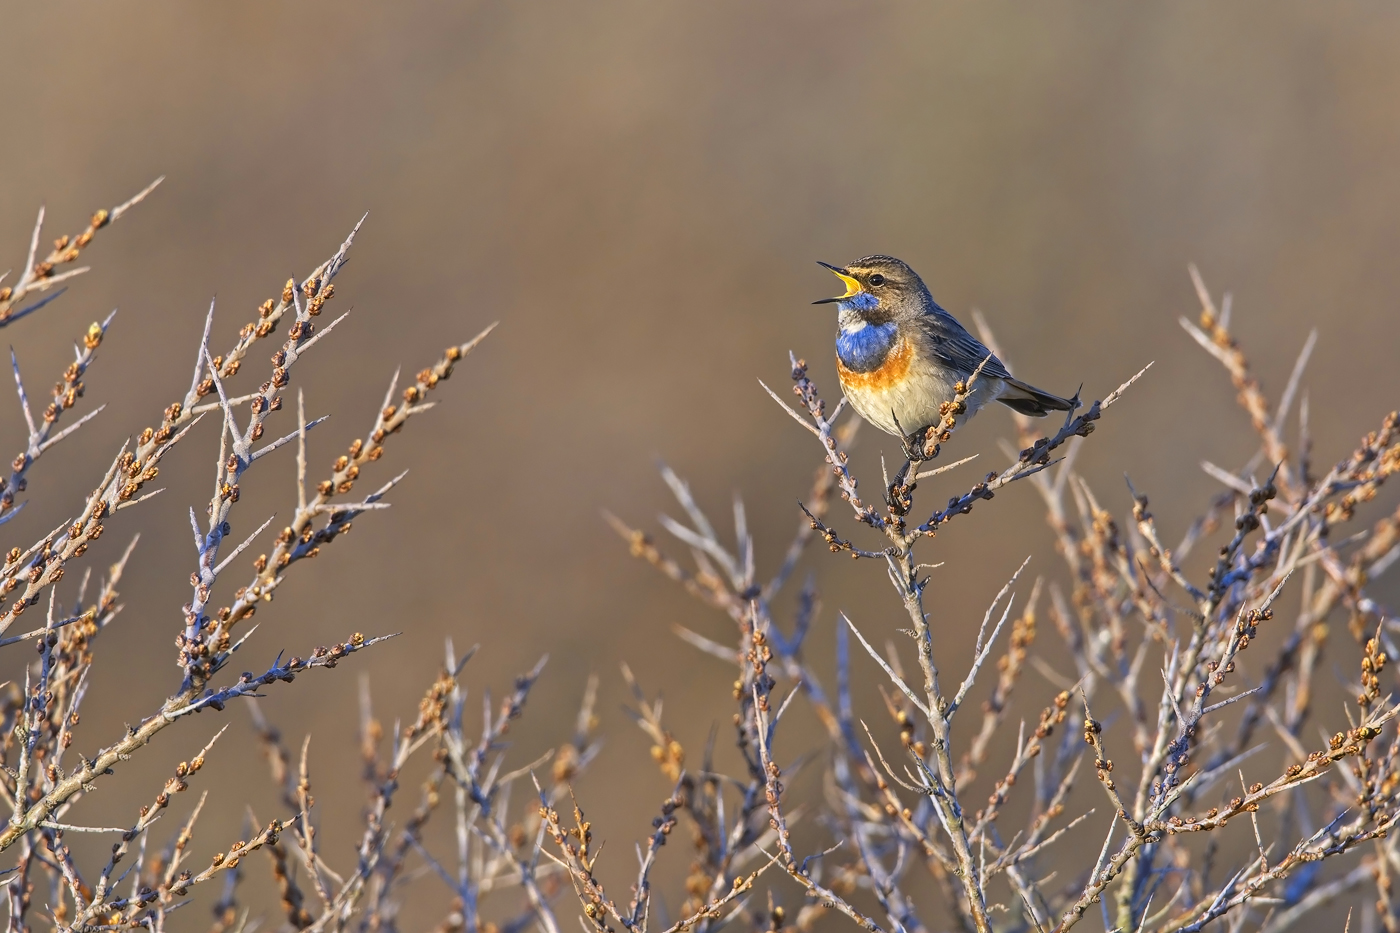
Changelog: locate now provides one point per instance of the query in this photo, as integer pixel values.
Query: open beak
(852, 286)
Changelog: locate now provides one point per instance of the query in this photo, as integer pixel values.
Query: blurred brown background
(638, 191)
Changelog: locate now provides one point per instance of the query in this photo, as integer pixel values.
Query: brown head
(880, 289)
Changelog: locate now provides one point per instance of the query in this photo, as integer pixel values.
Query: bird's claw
(920, 445)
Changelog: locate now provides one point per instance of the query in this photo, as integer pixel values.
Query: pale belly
(912, 397)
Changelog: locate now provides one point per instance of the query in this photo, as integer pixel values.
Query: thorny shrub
(1158, 656)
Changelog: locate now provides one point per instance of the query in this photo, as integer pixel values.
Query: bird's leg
(906, 440)
(899, 496)
(918, 446)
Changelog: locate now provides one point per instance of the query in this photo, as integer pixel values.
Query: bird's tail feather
(1028, 400)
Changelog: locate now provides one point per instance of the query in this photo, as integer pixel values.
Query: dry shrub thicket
(1222, 793)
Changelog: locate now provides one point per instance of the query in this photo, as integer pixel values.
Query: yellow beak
(853, 287)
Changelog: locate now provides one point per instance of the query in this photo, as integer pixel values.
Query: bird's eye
(877, 280)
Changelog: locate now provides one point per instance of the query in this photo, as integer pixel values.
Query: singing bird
(900, 355)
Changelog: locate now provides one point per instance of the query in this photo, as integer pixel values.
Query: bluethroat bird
(900, 356)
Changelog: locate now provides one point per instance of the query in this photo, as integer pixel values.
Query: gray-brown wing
(951, 342)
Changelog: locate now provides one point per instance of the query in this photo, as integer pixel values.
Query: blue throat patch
(865, 348)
